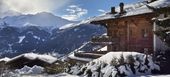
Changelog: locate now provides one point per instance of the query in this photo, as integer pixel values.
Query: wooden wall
(135, 33)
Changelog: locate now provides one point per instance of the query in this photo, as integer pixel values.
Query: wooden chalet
(128, 29)
(131, 30)
(127, 33)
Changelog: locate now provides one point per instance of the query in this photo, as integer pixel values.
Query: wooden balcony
(104, 40)
(87, 55)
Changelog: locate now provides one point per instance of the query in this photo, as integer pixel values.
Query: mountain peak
(45, 14)
(42, 19)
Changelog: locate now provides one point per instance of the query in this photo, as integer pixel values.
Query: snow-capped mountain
(15, 41)
(43, 32)
(43, 19)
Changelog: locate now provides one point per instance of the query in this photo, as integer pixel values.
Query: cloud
(5, 11)
(30, 6)
(102, 11)
(75, 12)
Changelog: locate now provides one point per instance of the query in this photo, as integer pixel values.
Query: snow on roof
(107, 58)
(103, 49)
(131, 9)
(168, 32)
(78, 58)
(160, 3)
(33, 56)
(5, 59)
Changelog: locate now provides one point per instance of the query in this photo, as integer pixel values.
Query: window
(144, 33)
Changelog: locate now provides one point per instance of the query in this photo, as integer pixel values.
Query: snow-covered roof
(168, 32)
(131, 10)
(103, 49)
(33, 56)
(5, 59)
(71, 56)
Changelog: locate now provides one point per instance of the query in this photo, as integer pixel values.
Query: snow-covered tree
(163, 23)
(163, 32)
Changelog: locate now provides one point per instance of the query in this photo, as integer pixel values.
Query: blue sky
(68, 9)
(94, 7)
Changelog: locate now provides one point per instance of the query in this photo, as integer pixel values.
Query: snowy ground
(68, 75)
(156, 76)
(58, 75)
(107, 65)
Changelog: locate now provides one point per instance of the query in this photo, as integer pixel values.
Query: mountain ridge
(43, 19)
(15, 41)
(17, 36)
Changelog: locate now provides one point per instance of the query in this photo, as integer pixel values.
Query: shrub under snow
(25, 70)
(30, 70)
(117, 64)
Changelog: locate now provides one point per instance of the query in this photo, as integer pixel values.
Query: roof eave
(103, 21)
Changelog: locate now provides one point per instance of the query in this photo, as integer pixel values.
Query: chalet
(129, 28)
(30, 59)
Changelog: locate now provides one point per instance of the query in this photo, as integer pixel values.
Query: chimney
(121, 7)
(113, 10)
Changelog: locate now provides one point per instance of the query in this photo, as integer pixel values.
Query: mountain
(15, 41)
(43, 19)
(43, 33)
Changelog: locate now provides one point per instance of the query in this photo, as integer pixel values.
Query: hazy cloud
(74, 12)
(30, 6)
(102, 11)
(5, 11)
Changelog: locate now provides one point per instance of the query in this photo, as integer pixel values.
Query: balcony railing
(105, 40)
(87, 55)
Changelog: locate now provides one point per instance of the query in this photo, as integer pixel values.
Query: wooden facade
(133, 33)
(128, 30)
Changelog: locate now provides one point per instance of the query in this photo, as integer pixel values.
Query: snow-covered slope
(15, 41)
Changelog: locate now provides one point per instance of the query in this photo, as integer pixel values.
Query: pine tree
(163, 31)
